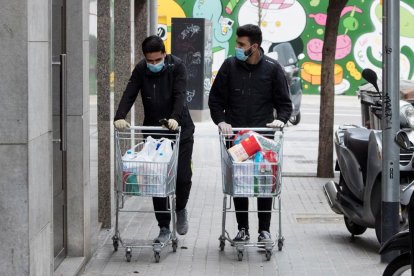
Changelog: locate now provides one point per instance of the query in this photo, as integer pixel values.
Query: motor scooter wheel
(294, 120)
(353, 228)
(398, 266)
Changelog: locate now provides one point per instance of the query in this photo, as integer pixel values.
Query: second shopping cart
(252, 178)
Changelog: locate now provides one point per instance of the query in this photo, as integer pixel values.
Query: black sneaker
(265, 237)
(164, 236)
(242, 236)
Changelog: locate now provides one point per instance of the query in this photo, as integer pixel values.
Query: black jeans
(263, 204)
(183, 187)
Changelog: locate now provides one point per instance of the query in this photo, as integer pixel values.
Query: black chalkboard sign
(191, 41)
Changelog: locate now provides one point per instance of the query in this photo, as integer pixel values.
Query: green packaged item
(130, 183)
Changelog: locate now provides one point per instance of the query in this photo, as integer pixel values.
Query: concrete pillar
(105, 189)
(25, 139)
(141, 32)
(122, 47)
(78, 182)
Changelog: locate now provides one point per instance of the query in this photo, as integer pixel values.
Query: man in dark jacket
(162, 80)
(245, 92)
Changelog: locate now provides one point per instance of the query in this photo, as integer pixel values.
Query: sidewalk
(316, 239)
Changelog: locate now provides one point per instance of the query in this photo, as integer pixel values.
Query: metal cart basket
(144, 179)
(251, 179)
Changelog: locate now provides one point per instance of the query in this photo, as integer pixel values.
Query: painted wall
(301, 23)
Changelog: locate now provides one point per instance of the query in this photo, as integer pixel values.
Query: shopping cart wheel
(157, 257)
(174, 245)
(128, 254)
(222, 244)
(280, 244)
(240, 255)
(268, 255)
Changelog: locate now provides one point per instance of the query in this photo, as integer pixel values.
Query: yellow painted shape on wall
(168, 9)
(311, 72)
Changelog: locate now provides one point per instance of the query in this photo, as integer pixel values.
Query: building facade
(48, 190)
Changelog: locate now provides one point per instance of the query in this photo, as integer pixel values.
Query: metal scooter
(359, 160)
(287, 58)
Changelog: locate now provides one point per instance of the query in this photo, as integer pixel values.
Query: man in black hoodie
(245, 92)
(162, 80)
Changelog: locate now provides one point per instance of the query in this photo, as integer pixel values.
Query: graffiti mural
(302, 24)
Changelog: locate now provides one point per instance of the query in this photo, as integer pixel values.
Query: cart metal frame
(144, 179)
(238, 181)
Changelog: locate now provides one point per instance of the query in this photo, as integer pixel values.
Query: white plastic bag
(151, 165)
(129, 159)
(164, 150)
(149, 150)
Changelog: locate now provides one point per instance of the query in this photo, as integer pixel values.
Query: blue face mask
(155, 68)
(241, 54)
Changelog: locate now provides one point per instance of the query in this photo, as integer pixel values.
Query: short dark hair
(152, 44)
(253, 32)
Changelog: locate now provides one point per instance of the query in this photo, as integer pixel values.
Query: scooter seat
(356, 140)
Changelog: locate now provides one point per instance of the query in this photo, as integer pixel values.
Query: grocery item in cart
(130, 183)
(271, 168)
(246, 148)
(259, 171)
(241, 135)
(265, 172)
(147, 169)
(243, 178)
(129, 161)
(270, 144)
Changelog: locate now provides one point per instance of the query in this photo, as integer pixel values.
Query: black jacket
(163, 95)
(245, 95)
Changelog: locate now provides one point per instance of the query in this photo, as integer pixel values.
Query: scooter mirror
(370, 76)
(405, 138)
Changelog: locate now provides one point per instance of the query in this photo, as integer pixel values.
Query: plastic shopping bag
(152, 165)
(149, 150)
(164, 150)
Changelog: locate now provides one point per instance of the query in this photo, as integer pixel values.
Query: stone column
(104, 115)
(122, 48)
(141, 32)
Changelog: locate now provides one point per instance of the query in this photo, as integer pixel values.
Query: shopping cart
(144, 179)
(248, 179)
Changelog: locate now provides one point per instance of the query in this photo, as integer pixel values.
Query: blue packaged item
(258, 163)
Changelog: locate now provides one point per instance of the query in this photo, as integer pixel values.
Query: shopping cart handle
(151, 128)
(258, 128)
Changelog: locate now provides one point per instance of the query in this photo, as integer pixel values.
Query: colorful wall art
(302, 24)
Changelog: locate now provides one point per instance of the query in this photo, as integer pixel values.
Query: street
(301, 141)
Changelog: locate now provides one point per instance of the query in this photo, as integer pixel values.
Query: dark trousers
(183, 187)
(263, 204)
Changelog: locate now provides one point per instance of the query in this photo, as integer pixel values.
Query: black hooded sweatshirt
(245, 95)
(163, 95)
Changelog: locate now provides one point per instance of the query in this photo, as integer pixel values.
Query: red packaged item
(241, 135)
(272, 157)
(244, 149)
